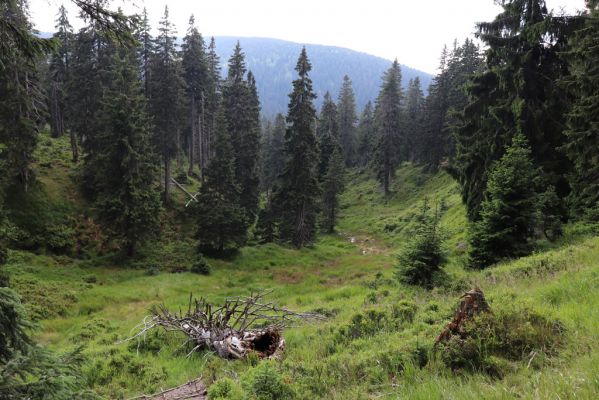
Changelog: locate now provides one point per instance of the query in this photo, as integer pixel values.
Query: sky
(413, 31)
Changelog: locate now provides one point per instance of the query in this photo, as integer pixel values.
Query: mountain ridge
(272, 61)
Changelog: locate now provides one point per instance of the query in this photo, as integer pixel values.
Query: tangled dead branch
(238, 327)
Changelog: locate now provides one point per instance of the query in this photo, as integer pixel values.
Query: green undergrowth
(378, 341)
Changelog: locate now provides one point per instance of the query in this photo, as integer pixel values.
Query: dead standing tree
(235, 329)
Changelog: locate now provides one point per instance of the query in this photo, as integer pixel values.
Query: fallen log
(233, 330)
(471, 304)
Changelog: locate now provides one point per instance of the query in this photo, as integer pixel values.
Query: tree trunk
(179, 158)
(74, 148)
(167, 180)
(192, 141)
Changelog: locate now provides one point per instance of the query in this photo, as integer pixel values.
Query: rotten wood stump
(471, 304)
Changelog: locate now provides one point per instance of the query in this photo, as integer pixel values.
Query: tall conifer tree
(295, 199)
(222, 222)
(366, 136)
(165, 91)
(517, 94)
(583, 120)
(388, 119)
(126, 196)
(346, 107)
(195, 71)
(327, 133)
(242, 111)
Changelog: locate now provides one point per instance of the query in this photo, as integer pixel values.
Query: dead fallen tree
(471, 304)
(238, 327)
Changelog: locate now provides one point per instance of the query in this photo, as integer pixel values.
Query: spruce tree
(126, 197)
(165, 97)
(242, 111)
(145, 49)
(435, 144)
(366, 136)
(195, 72)
(296, 197)
(221, 221)
(273, 154)
(346, 106)
(508, 214)
(388, 119)
(327, 133)
(583, 120)
(20, 98)
(59, 73)
(332, 187)
(213, 89)
(517, 94)
(414, 121)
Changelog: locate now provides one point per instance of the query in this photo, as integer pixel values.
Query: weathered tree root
(471, 304)
(237, 328)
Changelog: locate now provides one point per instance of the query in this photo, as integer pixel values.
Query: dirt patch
(366, 244)
(290, 277)
(192, 390)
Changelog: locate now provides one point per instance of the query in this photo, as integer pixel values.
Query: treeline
(137, 106)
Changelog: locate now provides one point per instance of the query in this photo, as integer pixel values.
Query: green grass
(97, 302)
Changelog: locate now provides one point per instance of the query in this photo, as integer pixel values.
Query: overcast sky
(412, 31)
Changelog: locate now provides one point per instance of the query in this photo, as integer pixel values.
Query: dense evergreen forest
(162, 149)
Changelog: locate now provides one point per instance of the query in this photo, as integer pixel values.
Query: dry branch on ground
(234, 329)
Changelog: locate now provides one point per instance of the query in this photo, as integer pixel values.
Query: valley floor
(348, 277)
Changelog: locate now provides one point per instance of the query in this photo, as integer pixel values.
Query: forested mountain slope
(273, 61)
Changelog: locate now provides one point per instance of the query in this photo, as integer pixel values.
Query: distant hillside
(273, 61)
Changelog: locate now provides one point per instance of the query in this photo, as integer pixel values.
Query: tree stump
(471, 304)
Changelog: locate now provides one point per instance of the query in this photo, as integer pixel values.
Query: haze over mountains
(273, 61)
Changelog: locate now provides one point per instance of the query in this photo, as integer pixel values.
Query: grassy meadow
(377, 341)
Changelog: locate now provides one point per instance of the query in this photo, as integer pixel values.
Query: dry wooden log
(471, 304)
(233, 330)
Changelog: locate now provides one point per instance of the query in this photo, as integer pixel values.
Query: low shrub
(265, 383)
(491, 340)
(225, 389)
(201, 266)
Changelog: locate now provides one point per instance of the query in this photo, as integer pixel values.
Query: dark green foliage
(346, 106)
(332, 187)
(421, 260)
(295, 200)
(273, 152)
(201, 266)
(225, 389)
(28, 371)
(490, 340)
(165, 94)
(583, 120)
(388, 120)
(414, 122)
(366, 137)
(242, 113)
(509, 213)
(327, 133)
(20, 95)
(195, 72)
(126, 167)
(264, 382)
(59, 73)
(221, 221)
(516, 94)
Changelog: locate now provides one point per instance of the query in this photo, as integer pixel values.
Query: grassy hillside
(540, 342)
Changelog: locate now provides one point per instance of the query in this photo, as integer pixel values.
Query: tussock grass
(378, 339)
